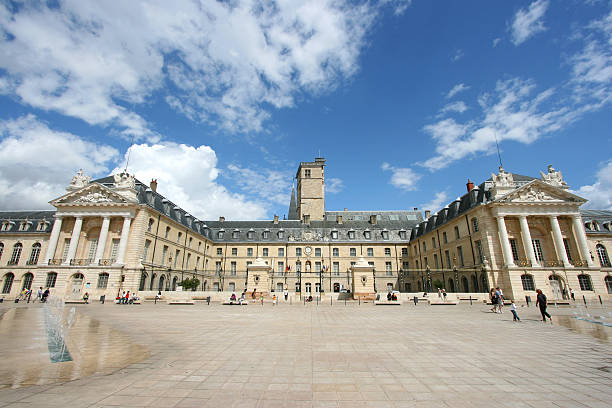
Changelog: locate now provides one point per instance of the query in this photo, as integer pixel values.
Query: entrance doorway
(557, 286)
(76, 286)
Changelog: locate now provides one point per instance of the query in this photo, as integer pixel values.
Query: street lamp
(428, 272)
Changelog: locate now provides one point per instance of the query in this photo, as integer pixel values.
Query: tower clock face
(308, 250)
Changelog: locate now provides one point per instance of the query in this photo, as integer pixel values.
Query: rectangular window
(460, 254)
(404, 251)
(433, 242)
(146, 250)
(334, 234)
(249, 251)
(280, 267)
(197, 262)
(370, 251)
(235, 234)
(424, 247)
(190, 240)
(281, 251)
(177, 254)
(352, 263)
(444, 238)
(264, 251)
(457, 236)
(385, 234)
(537, 248)
(217, 266)
(514, 248)
(93, 247)
(102, 281)
(475, 224)
(307, 173)
(179, 235)
(188, 261)
(164, 254)
(335, 252)
(298, 251)
(234, 251)
(479, 251)
(567, 249)
(219, 251)
(66, 248)
(167, 232)
(387, 251)
(405, 266)
(317, 266)
(266, 235)
(371, 263)
(233, 268)
(448, 260)
(336, 268)
(114, 249)
(353, 251)
(51, 278)
(426, 262)
(402, 234)
(436, 265)
(317, 251)
(351, 234)
(388, 270)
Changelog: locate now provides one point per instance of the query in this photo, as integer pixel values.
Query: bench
(75, 302)
(439, 302)
(180, 302)
(387, 303)
(236, 303)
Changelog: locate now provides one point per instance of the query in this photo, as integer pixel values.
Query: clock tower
(311, 190)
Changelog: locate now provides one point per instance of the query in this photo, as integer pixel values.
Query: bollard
(584, 300)
(600, 302)
(102, 299)
(359, 300)
(208, 300)
(317, 301)
(527, 300)
(470, 300)
(304, 301)
(331, 301)
(344, 301)
(415, 300)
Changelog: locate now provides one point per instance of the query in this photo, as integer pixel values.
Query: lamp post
(428, 272)
(455, 274)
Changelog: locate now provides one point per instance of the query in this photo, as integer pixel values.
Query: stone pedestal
(363, 280)
(258, 278)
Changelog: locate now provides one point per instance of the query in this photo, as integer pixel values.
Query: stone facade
(117, 234)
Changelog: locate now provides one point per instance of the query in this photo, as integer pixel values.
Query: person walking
(493, 300)
(444, 294)
(573, 295)
(39, 294)
(274, 300)
(45, 295)
(286, 293)
(500, 300)
(541, 301)
(127, 298)
(513, 310)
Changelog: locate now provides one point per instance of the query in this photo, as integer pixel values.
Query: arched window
(8, 283)
(143, 280)
(527, 281)
(150, 226)
(585, 282)
(466, 286)
(602, 254)
(451, 285)
(51, 278)
(16, 254)
(174, 282)
(103, 280)
(475, 283)
(27, 281)
(152, 282)
(484, 283)
(34, 254)
(1, 249)
(162, 278)
(608, 281)
(419, 286)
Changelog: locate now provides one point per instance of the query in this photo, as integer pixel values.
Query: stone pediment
(92, 194)
(537, 191)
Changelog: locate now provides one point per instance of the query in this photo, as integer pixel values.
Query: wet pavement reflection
(94, 347)
(592, 325)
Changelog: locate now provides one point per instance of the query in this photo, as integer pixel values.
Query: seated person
(394, 297)
(389, 297)
(233, 297)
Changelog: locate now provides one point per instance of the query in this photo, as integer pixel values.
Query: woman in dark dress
(542, 303)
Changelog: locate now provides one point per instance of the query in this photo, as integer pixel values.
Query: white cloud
(458, 106)
(333, 185)
(399, 6)
(268, 185)
(457, 55)
(225, 63)
(599, 193)
(402, 178)
(456, 89)
(528, 22)
(37, 163)
(594, 63)
(496, 41)
(187, 175)
(436, 203)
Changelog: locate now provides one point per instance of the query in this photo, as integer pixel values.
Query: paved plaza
(307, 356)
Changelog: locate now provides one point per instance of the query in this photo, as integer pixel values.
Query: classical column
(74, 239)
(125, 231)
(57, 227)
(102, 239)
(527, 244)
(505, 243)
(558, 239)
(581, 238)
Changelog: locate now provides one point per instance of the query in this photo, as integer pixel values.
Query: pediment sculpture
(553, 177)
(78, 181)
(94, 198)
(503, 179)
(534, 195)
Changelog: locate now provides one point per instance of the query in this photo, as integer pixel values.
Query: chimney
(346, 209)
(306, 219)
(469, 185)
(153, 185)
(339, 219)
(275, 219)
(373, 219)
(416, 208)
(427, 214)
(221, 219)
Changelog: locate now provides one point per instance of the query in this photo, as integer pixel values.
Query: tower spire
(293, 204)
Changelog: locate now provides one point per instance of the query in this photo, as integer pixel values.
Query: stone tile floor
(307, 356)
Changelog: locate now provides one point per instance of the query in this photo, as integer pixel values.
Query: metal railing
(81, 262)
(106, 262)
(56, 261)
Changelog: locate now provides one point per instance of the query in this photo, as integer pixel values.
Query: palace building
(116, 234)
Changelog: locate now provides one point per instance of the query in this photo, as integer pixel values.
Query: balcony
(579, 262)
(552, 263)
(12, 262)
(80, 262)
(56, 261)
(32, 262)
(523, 263)
(106, 262)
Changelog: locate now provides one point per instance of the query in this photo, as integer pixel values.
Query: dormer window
(367, 234)
(334, 234)
(266, 234)
(235, 234)
(6, 226)
(220, 234)
(281, 234)
(595, 225)
(251, 234)
(402, 234)
(385, 234)
(351, 234)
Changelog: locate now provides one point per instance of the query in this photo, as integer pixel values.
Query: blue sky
(220, 101)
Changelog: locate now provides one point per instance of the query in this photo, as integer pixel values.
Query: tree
(192, 283)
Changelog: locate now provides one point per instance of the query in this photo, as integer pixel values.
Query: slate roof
(16, 218)
(602, 217)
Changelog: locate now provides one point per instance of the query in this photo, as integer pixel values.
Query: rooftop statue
(79, 181)
(553, 177)
(124, 180)
(503, 179)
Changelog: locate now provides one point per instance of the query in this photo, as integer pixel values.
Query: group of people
(41, 296)
(497, 300)
(241, 300)
(125, 298)
(391, 296)
(442, 294)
